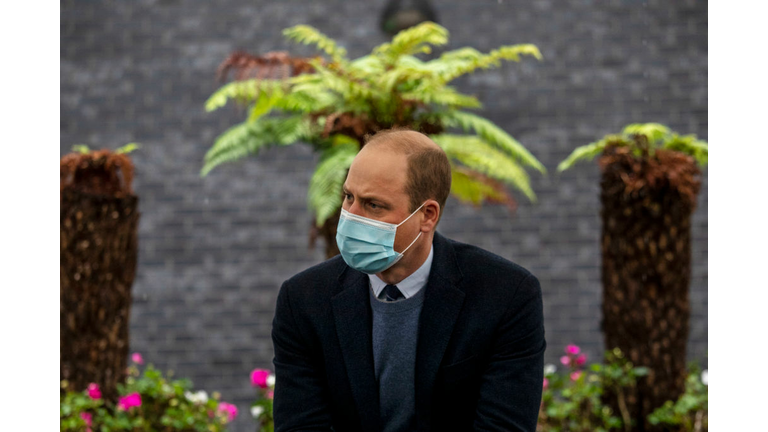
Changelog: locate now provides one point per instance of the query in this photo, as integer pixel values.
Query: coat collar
(353, 318)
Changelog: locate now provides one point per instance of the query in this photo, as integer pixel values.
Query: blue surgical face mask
(367, 245)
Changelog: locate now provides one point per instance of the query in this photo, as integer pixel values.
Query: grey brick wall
(214, 251)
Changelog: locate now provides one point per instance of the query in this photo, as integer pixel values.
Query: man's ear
(431, 212)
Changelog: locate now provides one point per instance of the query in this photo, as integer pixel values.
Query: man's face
(375, 189)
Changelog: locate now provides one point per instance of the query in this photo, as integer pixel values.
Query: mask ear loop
(414, 212)
(417, 237)
(409, 246)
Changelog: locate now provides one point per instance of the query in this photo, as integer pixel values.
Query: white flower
(256, 411)
(549, 369)
(705, 377)
(271, 380)
(197, 397)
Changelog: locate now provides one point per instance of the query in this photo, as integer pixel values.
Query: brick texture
(213, 251)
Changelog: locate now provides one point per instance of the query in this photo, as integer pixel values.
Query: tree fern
(250, 137)
(653, 131)
(415, 40)
(244, 91)
(391, 86)
(468, 188)
(589, 151)
(657, 136)
(478, 155)
(495, 136)
(688, 144)
(308, 35)
(324, 193)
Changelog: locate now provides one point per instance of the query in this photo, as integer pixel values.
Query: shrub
(146, 402)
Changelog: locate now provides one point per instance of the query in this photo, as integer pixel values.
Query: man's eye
(347, 196)
(373, 205)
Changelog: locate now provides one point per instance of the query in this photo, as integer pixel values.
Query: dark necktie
(391, 293)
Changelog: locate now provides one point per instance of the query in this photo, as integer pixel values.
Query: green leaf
(81, 148)
(413, 40)
(654, 131)
(494, 135)
(308, 35)
(250, 137)
(689, 145)
(589, 151)
(475, 153)
(325, 186)
(469, 189)
(242, 91)
(127, 148)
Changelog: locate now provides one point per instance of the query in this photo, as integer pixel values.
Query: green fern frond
(265, 103)
(473, 152)
(468, 189)
(366, 66)
(325, 187)
(494, 135)
(350, 91)
(688, 144)
(654, 131)
(456, 63)
(242, 91)
(431, 93)
(413, 40)
(81, 148)
(250, 137)
(235, 143)
(128, 148)
(589, 151)
(309, 35)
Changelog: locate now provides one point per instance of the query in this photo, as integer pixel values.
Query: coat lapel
(442, 305)
(352, 314)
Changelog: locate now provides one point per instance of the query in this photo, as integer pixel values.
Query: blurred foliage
(332, 104)
(691, 411)
(163, 405)
(657, 136)
(574, 400)
(84, 149)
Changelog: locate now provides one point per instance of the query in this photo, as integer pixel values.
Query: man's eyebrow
(366, 197)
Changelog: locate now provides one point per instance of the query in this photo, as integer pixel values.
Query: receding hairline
(404, 141)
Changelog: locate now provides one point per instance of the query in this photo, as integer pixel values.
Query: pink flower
(127, 402)
(136, 358)
(94, 391)
(572, 349)
(565, 360)
(88, 418)
(580, 360)
(259, 378)
(546, 383)
(228, 408)
(575, 376)
(271, 394)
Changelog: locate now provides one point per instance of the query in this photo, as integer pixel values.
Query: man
(406, 330)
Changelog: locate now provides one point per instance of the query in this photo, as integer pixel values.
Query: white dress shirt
(410, 285)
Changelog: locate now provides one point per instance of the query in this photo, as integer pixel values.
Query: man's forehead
(378, 170)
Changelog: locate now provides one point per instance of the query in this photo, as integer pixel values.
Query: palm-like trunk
(328, 232)
(99, 221)
(647, 203)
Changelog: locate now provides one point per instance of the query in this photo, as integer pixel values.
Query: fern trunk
(647, 203)
(99, 221)
(328, 233)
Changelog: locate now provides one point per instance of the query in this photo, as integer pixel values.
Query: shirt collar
(410, 285)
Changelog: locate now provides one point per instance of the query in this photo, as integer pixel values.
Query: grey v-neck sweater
(395, 334)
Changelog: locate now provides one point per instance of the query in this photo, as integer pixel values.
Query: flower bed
(146, 402)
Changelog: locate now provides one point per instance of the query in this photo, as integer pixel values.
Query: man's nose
(356, 209)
